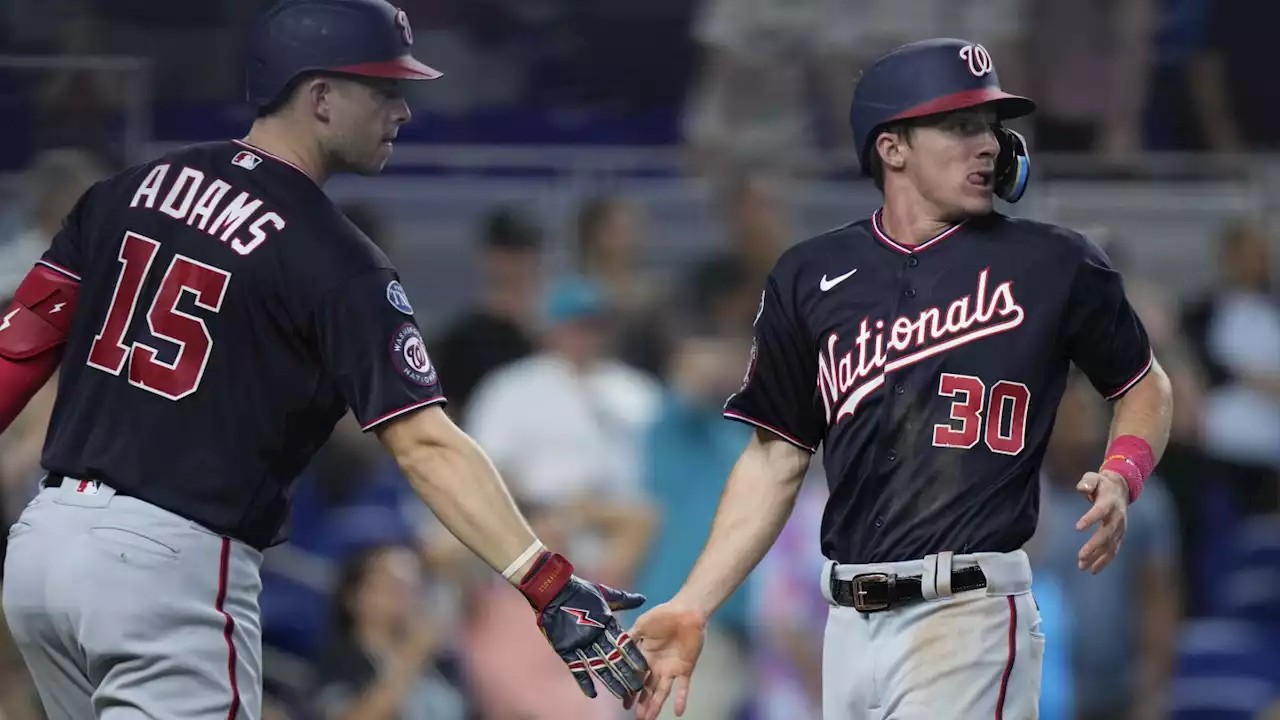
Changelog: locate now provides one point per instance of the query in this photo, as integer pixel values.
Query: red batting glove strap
(548, 576)
(1130, 457)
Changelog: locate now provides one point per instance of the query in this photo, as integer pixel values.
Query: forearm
(757, 500)
(1146, 411)
(459, 483)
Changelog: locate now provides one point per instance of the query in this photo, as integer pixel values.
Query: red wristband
(548, 576)
(1130, 457)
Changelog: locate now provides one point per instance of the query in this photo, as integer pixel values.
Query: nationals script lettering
(909, 340)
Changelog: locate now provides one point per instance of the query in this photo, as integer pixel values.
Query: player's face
(952, 161)
(365, 116)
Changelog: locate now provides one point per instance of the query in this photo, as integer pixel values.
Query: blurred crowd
(765, 81)
(596, 387)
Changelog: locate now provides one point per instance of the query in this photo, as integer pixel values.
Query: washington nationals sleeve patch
(409, 356)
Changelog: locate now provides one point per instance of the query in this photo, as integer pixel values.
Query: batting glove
(577, 618)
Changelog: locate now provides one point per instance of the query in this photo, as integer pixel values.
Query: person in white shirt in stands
(565, 427)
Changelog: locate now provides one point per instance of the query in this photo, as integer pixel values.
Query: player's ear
(891, 146)
(318, 94)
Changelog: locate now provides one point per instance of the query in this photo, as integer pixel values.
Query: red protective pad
(40, 315)
(33, 330)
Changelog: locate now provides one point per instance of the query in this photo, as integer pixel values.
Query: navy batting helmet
(371, 38)
(935, 76)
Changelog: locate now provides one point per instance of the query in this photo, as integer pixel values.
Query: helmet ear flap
(1013, 165)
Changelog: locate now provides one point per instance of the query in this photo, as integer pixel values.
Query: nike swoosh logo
(825, 284)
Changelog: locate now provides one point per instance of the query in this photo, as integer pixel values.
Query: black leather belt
(876, 592)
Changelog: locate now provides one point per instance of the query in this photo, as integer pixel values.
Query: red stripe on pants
(229, 628)
(1008, 666)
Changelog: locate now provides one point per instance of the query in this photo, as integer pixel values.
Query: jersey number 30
(109, 353)
(1005, 428)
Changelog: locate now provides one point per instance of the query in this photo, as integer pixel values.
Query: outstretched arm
(456, 479)
(756, 503)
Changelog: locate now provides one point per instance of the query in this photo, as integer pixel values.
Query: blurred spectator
(789, 614)
(688, 454)
(757, 233)
(1126, 617)
(388, 658)
(1090, 62)
(52, 184)
(777, 76)
(749, 104)
(610, 235)
(1235, 331)
(496, 332)
(1231, 88)
(194, 47)
(720, 294)
(1176, 109)
(565, 428)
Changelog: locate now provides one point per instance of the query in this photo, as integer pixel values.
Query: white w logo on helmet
(979, 60)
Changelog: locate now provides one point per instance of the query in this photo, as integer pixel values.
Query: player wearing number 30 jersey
(213, 315)
(925, 349)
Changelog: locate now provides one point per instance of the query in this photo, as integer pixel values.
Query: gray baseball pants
(124, 611)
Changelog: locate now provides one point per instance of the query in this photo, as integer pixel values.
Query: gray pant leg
(57, 668)
(166, 612)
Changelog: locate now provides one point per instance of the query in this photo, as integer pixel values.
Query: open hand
(671, 639)
(1109, 494)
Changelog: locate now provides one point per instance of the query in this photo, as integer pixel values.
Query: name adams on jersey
(229, 314)
(184, 201)
(931, 375)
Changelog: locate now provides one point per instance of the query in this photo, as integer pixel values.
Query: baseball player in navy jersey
(925, 349)
(213, 315)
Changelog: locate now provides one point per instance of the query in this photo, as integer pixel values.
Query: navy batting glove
(577, 618)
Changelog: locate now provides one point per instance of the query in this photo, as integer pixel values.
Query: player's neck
(911, 221)
(306, 155)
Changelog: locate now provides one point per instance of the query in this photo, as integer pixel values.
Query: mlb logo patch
(246, 160)
(88, 487)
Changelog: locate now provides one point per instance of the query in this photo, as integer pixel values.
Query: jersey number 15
(189, 333)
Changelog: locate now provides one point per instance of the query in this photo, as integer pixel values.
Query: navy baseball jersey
(229, 315)
(931, 375)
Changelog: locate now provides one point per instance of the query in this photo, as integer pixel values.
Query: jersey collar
(877, 229)
(264, 153)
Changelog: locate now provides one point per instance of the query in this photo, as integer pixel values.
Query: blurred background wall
(614, 179)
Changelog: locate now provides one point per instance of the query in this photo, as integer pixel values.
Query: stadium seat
(1227, 668)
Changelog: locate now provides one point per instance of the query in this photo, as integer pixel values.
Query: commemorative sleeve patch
(398, 298)
(409, 356)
